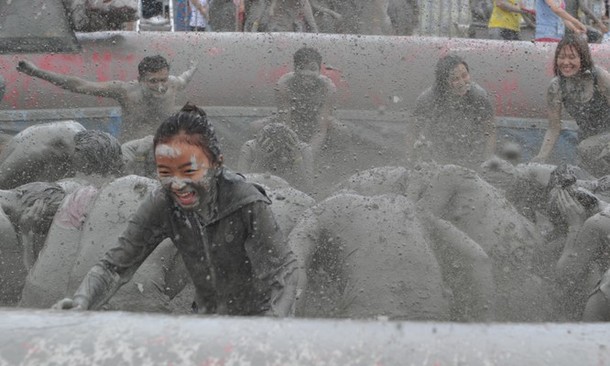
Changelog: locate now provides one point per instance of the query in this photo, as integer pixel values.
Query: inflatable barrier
(114, 338)
(240, 69)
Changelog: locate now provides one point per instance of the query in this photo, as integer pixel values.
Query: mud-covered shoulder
(235, 192)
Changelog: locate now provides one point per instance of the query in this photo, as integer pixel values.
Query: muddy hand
(67, 304)
(26, 67)
(572, 211)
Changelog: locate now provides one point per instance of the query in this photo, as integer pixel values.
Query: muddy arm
(110, 89)
(183, 79)
(322, 9)
(303, 242)
(271, 259)
(490, 131)
(466, 268)
(554, 119)
(308, 13)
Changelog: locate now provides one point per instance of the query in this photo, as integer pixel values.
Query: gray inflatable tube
(116, 338)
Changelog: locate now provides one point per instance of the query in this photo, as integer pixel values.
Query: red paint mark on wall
(505, 96)
(215, 51)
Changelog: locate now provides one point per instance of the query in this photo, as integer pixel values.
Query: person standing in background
(199, 15)
(597, 28)
(505, 20)
(551, 20)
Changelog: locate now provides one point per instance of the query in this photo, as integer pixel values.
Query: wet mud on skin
(339, 275)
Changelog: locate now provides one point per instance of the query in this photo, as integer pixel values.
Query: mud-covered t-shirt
(585, 99)
(456, 128)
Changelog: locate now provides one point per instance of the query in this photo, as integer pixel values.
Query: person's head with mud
(451, 78)
(563, 178)
(277, 143)
(307, 59)
(572, 57)
(153, 75)
(97, 152)
(187, 155)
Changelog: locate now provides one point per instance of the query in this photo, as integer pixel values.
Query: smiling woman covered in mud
(583, 89)
(222, 226)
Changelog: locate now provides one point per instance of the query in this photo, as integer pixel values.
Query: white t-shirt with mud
(197, 19)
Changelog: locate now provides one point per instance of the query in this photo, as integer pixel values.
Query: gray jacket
(237, 257)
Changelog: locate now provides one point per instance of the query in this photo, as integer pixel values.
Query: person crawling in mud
(26, 214)
(145, 102)
(222, 226)
(455, 121)
(53, 151)
(364, 257)
(278, 150)
(583, 269)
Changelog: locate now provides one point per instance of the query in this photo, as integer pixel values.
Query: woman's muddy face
(568, 61)
(459, 80)
(184, 170)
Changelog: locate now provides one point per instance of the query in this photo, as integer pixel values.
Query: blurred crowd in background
(493, 19)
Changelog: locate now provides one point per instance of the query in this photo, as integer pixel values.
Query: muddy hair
(192, 125)
(100, 151)
(150, 64)
(50, 193)
(564, 177)
(277, 132)
(305, 55)
(444, 67)
(581, 47)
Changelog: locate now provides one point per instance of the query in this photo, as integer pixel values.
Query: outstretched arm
(570, 22)
(585, 9)
(554, 128)
(109, 89)
(507, 6)
(184, 78)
